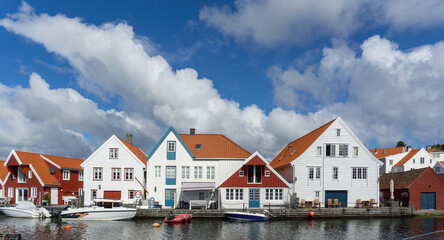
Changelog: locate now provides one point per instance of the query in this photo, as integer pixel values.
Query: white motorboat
(246, 216)
(102, 209)
(24, 210)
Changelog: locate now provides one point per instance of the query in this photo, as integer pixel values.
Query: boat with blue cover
(246, 216)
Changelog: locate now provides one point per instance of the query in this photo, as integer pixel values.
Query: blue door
(254, 198)
(428, 200)
(170, 194)
(340, 195)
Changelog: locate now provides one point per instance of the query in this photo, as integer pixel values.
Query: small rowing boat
(181, 218)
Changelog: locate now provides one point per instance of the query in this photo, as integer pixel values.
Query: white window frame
(319, 151)
(359, 173)
(335, 174)
(11, 192)
(29, 173)
(198, 172)
(98, 174)
(317, 194)
(113, 153)
(171, 146)
(355, 151)
(186, 172)
(267, 173)
(93, 192)
(234, 194)
(129, 174)
(422, 160)
(314, 173)
(390, 161)
(116, 174)
(241, 173)
(66, 175)
(80, 176)
(80, 191)
(343, 150)
(210, 172)
(21, 176)
(157, 171)
(170, 172)
(33, 192)
(338, 132)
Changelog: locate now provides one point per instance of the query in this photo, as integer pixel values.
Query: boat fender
(156, 225)
(67, 227)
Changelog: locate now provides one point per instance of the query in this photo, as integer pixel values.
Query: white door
(22, 194)
(54, 196)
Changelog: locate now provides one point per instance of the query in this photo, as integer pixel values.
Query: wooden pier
(388, 212)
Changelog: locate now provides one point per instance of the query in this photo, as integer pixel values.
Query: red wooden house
(255, 184)
(31, 176)
(3, 174)
(421, 188)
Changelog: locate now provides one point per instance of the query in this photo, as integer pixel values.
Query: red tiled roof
(434, 150)
(64, 162)
(400, 179)
(135, 150)
(407, 157)
(384, 152)
(3, 171)
(213, 146)
(442, 163)
(294, 149)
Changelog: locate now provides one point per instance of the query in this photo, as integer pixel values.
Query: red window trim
(97, 192)
(94, 174)
(112, 174)
(132, 179)
(110, 153)
(134, 194)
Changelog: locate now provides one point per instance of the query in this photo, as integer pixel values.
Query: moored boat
(246, 216)
(24, 210)
(101, 210)
(181, 218)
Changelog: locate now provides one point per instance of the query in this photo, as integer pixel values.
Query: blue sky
(261, 72)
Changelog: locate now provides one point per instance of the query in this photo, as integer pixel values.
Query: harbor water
(208, 229)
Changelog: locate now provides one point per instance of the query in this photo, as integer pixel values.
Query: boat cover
(26, 206)
(197, 186)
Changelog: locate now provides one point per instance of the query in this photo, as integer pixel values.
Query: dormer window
(254, 174)
(21, 177)
(198, 146)
(113, 153)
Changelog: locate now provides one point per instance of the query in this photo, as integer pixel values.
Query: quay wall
(288, 213)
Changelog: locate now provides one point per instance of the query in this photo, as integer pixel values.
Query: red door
(112, 194)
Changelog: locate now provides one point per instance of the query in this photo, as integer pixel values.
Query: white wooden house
(414, 159)
(254, 185)
(183, 169)
(114, 170)
(330, 163)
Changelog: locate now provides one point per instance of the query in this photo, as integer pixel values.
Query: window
(98, 174)
(210, 172)
(170, 172)
(172, 146)
(234, 194)
(391, 161)
(21, 176)
(241, 173)
(437, 169)
(30, 172)
(11, 192)
(430, 160)
(113, 153)
(343, 150)
(80, 191)
(129, 174)
(338, 132)
(186, 172)
(66, 174)
(157, 171)
(267, 173)
(319, 151)
(273, 194)
(335, 173)
(198, 172)
(116, 174)
(421, 160)
(330, 150)
(131, 194)
(311, 173)
(413, 160)
(93, 194)
(359, 173)
(33, 192)
(254, 173)
(355, 151)
(81, 176)
(198, 146)
(317, 194)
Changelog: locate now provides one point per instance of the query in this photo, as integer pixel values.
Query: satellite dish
(51, 170)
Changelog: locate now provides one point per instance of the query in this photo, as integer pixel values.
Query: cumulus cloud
(388, 94)
(111, 61)
(273, 22)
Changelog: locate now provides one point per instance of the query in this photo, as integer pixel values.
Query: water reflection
(209, 229)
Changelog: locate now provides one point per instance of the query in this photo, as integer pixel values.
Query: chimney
(192, 131)
(129, 138)
(385, 151)
(409, 148)
(429, 147)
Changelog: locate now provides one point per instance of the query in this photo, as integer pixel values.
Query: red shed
(420, 188)
(255, 184)
(31, 176)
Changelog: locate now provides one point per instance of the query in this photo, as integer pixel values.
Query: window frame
(21, 176)
(132, 174)
(359, 173)
(29, 173)
(81, 176)
(319, 151)
(355, 151)
(94, 192)
(241, 173)
(197, 172)
(267, 173)
(33, 192)
(157, 171)
(119, 171)
(100, 171)
(338, 132)
(67, 173)
(171, 146)
(335, 174)
(113, 153)
(211, 172)
(185, 172)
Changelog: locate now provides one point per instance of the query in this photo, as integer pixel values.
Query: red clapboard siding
(428, 181)
(236, 181)
(112, 194)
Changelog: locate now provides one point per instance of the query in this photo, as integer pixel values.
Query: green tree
(400, 144)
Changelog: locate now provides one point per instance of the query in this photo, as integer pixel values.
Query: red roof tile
(294, 149)
(135, 150)
(434, 150)
(213, 146)
(400, 179)
(384, 152)
(407, 157)
(3, 171)
(64, 162)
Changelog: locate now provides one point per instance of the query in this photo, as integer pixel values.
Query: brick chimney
(192, 131)
(129, 138)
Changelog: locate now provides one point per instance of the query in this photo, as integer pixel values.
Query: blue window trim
(170, 181)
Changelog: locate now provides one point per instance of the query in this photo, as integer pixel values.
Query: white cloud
(273, 22)
(388, 94)
(111, 61)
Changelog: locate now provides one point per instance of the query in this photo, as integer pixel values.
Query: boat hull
(182, 218)
(242, 216)
(98, 214)
(19, 213)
